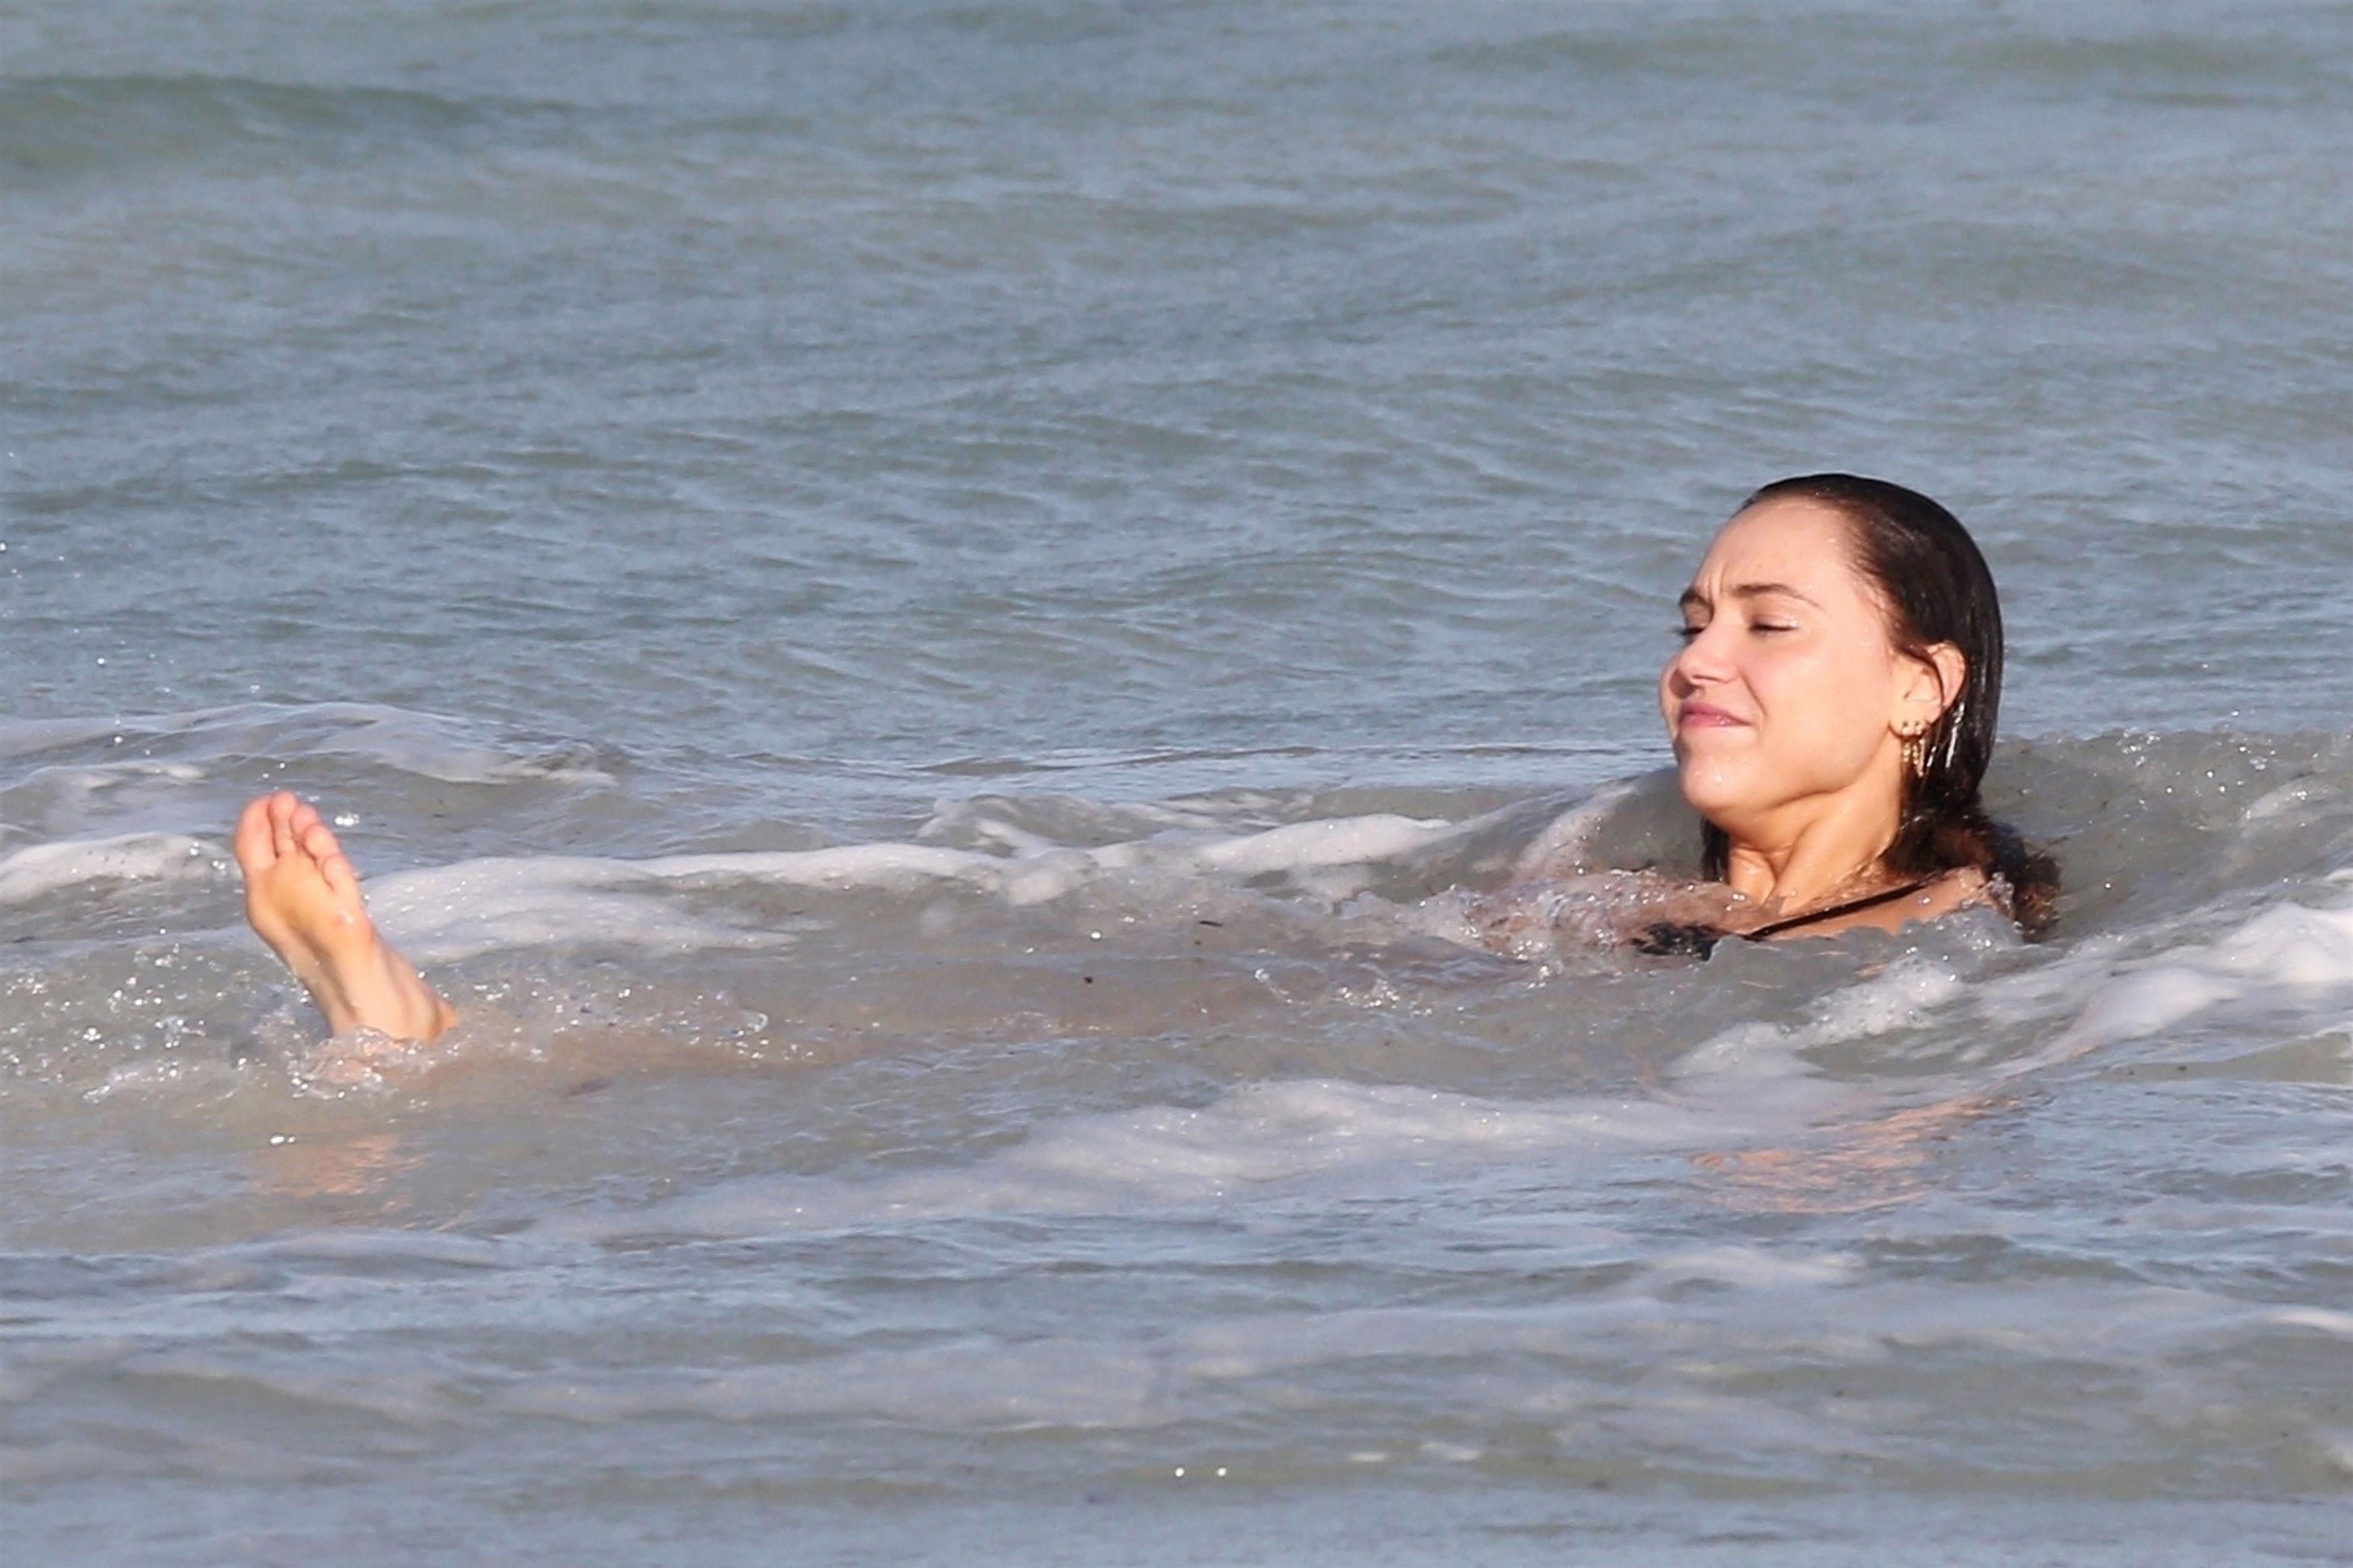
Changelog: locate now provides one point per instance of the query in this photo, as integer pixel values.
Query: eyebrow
(1693, 599)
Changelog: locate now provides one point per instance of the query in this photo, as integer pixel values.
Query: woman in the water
(1832, 712)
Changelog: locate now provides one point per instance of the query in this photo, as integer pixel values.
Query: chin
(1708, 792)
(1704, 784)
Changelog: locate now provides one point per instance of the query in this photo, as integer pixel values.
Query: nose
(1700, 662)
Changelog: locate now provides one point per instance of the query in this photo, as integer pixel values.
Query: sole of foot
(303, 899)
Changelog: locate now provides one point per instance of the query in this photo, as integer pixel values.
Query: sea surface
(921, 611)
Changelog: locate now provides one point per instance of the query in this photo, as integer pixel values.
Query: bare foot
(303, 899)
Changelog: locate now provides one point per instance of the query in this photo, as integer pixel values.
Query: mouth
(1705, 716)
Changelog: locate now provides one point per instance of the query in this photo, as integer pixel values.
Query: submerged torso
(1654, 913)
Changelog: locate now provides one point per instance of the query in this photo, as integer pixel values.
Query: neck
(1827, 854)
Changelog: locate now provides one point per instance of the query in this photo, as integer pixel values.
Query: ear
(1932, 686)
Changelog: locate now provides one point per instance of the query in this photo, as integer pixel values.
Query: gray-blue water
(906, 602)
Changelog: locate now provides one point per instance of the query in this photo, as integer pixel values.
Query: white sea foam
(886, 867)
(1761, 1063)
(1267, 1139)
(2097, 993)
(2286, 955)
(136, 857)
(478, 906)
(452, 912)
(1347, 841)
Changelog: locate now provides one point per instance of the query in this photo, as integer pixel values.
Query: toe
(281, 807)
(342, 879)
(318, 840)
(255, 845)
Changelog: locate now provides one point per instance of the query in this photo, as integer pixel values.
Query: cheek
(1829, 705)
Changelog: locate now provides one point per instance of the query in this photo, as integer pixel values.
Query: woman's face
(1788, 701)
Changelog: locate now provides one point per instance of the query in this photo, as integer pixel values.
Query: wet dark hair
(1932, 580)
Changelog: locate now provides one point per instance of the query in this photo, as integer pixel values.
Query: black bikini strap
(1852, 906)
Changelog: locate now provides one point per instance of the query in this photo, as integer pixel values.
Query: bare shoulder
(1962, 888)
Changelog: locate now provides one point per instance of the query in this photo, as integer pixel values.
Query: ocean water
(919, 609)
